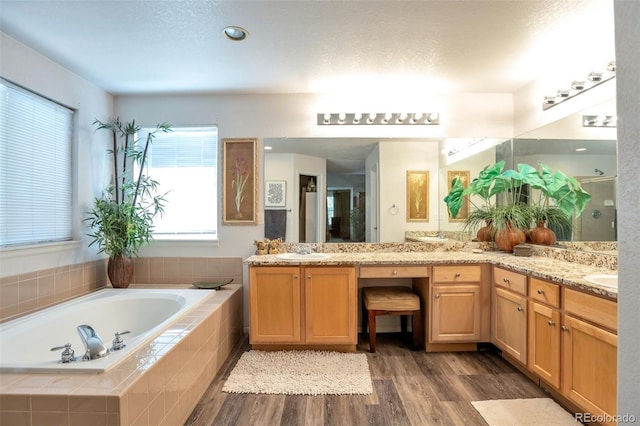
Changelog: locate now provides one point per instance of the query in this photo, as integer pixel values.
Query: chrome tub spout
(93, 345)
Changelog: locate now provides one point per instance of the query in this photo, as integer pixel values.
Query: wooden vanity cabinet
(509, 313)
(455, 305)
(275, 304)
(302, 305)
(544, 330)
(331, 305)
(590, 348)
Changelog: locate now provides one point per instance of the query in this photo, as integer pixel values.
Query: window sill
(38, 249)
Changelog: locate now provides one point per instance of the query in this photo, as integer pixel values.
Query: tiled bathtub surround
(25, 293)
(21, 294)
(158, 385)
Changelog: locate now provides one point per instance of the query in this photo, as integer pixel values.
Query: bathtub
(25, 343)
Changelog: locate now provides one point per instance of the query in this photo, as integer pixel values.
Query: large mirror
(331, 193)
(581, 149)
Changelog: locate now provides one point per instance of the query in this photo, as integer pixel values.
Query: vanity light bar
(580, 86)
(598, 121)
(379, 118)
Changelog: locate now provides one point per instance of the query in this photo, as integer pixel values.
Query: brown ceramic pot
(120, 271)
(486, 232)
(542, 235)
(509, 237)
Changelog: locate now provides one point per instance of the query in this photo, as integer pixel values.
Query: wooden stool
(389, 301)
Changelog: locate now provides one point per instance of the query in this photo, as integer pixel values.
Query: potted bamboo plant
(122, 218)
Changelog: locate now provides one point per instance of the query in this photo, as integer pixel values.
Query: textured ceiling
(310, 46)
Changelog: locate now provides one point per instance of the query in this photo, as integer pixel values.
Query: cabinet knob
(520, 309)
(457, 274)
(437, 296)
(394, 272)
(295, 276)
(540, 291)
(564, 328)
(505, 280)
(550, 322)
(308, 277)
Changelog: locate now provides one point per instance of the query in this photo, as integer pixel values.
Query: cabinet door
(589, 366)
(274, 305)
(455, 313)
(544, 343)
(509, 323)
(331, 306)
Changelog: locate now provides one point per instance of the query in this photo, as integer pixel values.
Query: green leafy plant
(493, 181)
(122, 218)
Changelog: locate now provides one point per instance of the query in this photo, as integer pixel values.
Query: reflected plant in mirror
(513, 199)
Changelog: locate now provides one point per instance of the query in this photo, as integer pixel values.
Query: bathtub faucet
(93, 345)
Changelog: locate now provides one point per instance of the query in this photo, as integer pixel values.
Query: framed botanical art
(275, 192)
(417, 196)
(239, 182)
(463, 175)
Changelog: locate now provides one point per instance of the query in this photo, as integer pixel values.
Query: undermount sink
(301, 256)
(604, 280)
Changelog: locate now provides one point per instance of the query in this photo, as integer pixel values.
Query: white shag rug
(524, 412)
(300, 373)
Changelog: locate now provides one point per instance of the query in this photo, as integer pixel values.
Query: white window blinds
(35, 168)
(185, 163)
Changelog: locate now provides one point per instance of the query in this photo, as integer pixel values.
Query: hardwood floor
(410, 388)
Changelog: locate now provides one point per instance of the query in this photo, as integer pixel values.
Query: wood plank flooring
(410, 388)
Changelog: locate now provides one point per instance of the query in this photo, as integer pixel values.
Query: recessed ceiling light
(580, 149)
(235, 33)
(267, 147)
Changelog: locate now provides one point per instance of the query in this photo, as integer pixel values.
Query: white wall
(26, 67)
(627, 30)
(396, 157)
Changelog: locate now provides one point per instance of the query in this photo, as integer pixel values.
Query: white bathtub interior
(25, 343)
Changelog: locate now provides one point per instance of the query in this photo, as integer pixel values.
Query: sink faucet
(93, 345)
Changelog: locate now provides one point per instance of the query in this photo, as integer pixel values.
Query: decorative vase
(120, 271)
(509, 237)
(486, 232)
(542, 235)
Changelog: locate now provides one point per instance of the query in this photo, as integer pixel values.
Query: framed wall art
(417, 196)
(239, 182)
(275, 192)
(464, 176)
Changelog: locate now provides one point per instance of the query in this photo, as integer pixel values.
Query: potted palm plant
(510, 218)
(122, 217)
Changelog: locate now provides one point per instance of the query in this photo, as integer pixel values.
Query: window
(35, 168)
(185, 164)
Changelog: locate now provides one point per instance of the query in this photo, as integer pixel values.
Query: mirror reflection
(343, 177)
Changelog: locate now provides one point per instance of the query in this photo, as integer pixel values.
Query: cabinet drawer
(394, 271)
(511, 280)
(457, 274)
(592, 308)
(544, 292)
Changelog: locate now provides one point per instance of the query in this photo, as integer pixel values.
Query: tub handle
(118, 342)
(68, 354)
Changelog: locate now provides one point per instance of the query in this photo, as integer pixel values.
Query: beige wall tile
(51, 403)
(88, 404)
(15, 418)
(9, 294)
(28, 290)
(87, 419)
(15, 402)
(138, 397)
(157, 410)
(49, 418)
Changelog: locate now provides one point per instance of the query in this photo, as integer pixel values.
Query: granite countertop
(568, 273)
